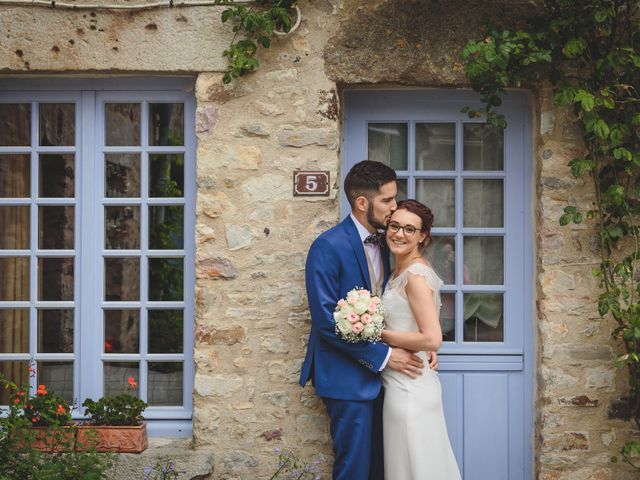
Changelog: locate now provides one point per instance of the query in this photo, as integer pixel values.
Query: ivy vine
(589, 51)
(253, 27)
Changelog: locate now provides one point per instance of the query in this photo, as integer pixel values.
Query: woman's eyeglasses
(409, 230)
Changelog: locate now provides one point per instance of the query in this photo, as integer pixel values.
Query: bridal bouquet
(359, 317)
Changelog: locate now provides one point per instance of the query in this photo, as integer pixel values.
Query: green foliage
(256, 26)
(588, 50)
(164, 470)
(55, 458)
(121, 410)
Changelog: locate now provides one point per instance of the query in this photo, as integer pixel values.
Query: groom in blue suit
(347, 375)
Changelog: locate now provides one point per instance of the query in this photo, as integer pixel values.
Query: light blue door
(476, 179)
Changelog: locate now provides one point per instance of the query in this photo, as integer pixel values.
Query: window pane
(483, 317)
(435, 146)
(57, 124)
(166, 279)
(166, 229)
(448, 316)
(387, 143)
(483, 260)
(483, 203)
(116, 375)
(57, 176)
(14, 226)
(440, 197)
(483, 147)
(55, 331)
(165, 331)
(441, 254)
(15, 124)
(166, 175)
(14, 331)
(15, 172)
(122, 174)
(16, 372)
(165, 383)
(166, 124)
(56, 227)
(55, 278)
(14, 272)
(121, 331)
(122, 124)
(122, 279)
(402, 189)
(122, 227)
(57, 377)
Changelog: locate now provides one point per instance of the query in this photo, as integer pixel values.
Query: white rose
(361, 306)
(344, 325)
(369, 330)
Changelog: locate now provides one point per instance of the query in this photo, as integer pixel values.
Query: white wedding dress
(416, 442)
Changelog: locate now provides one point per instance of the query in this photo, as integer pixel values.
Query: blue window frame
(97, 205)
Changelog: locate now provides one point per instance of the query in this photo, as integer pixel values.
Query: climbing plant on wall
(253, 26)
(590, 52)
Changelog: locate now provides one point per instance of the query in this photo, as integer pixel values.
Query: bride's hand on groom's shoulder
(406, 362)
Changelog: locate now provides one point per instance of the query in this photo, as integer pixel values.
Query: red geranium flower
(132, 382)
(42, 390)
(61, 409)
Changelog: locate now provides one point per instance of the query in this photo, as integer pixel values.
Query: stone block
(565, 441)
(268, 188)
(238, 236)
(278, 398)
(217, 385)
(215, 267)
(313, 428)
(220, 336)
(601, 378)
(238, 461)
(289, 136)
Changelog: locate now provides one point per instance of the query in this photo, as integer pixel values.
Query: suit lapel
(358, 249)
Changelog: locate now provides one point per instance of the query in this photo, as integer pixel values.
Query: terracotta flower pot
(46, 439)
(105, 438)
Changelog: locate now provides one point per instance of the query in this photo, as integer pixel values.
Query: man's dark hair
(365, 179)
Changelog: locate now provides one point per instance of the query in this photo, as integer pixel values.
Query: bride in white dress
(416, 443)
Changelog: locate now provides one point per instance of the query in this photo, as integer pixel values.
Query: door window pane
(15, 174)
(483, 260)
(121, 331)
(55, 278)
(14, 331)
(55, 331)
(435, 146)
(116, 376)
(57, 176)
(166, 279)
(402, 189)
(16, 372)
(122, 124)
(14, 227)
(166, 229)
(165, 331)
(57, 124)
(165, 383)
(483, 317)
(448, 316)
(57, 377)
(440, 197)
(166, 124)
(122, 279)
(122, 174)
(483, 203)
(56, 227)
(483, 147)
(387, 143)
(441, 254)
(122, 227)
(15, 124)
(14, 272)
(166, 175)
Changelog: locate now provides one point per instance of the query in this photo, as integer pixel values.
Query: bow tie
(375, 239)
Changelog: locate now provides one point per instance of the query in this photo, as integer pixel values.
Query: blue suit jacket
(336, 263)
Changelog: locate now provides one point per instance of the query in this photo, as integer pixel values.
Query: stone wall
(252, 318)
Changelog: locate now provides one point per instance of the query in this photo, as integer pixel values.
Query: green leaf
(574, 47)
(601, 129)
(586, 100)
(565, 96)
(565, 218)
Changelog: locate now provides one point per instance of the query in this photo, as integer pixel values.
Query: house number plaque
(311, 183)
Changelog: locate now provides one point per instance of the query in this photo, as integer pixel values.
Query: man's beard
(372, 221)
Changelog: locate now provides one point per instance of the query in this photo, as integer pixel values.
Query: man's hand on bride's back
(406, 362)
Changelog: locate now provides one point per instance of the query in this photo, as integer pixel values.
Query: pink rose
(372, 307)
(357, 327)
(341, 303)
(353, 317)
(366, 318)
(351, 300)
(375, 300)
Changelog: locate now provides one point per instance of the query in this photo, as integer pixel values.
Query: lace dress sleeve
(433, 280)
